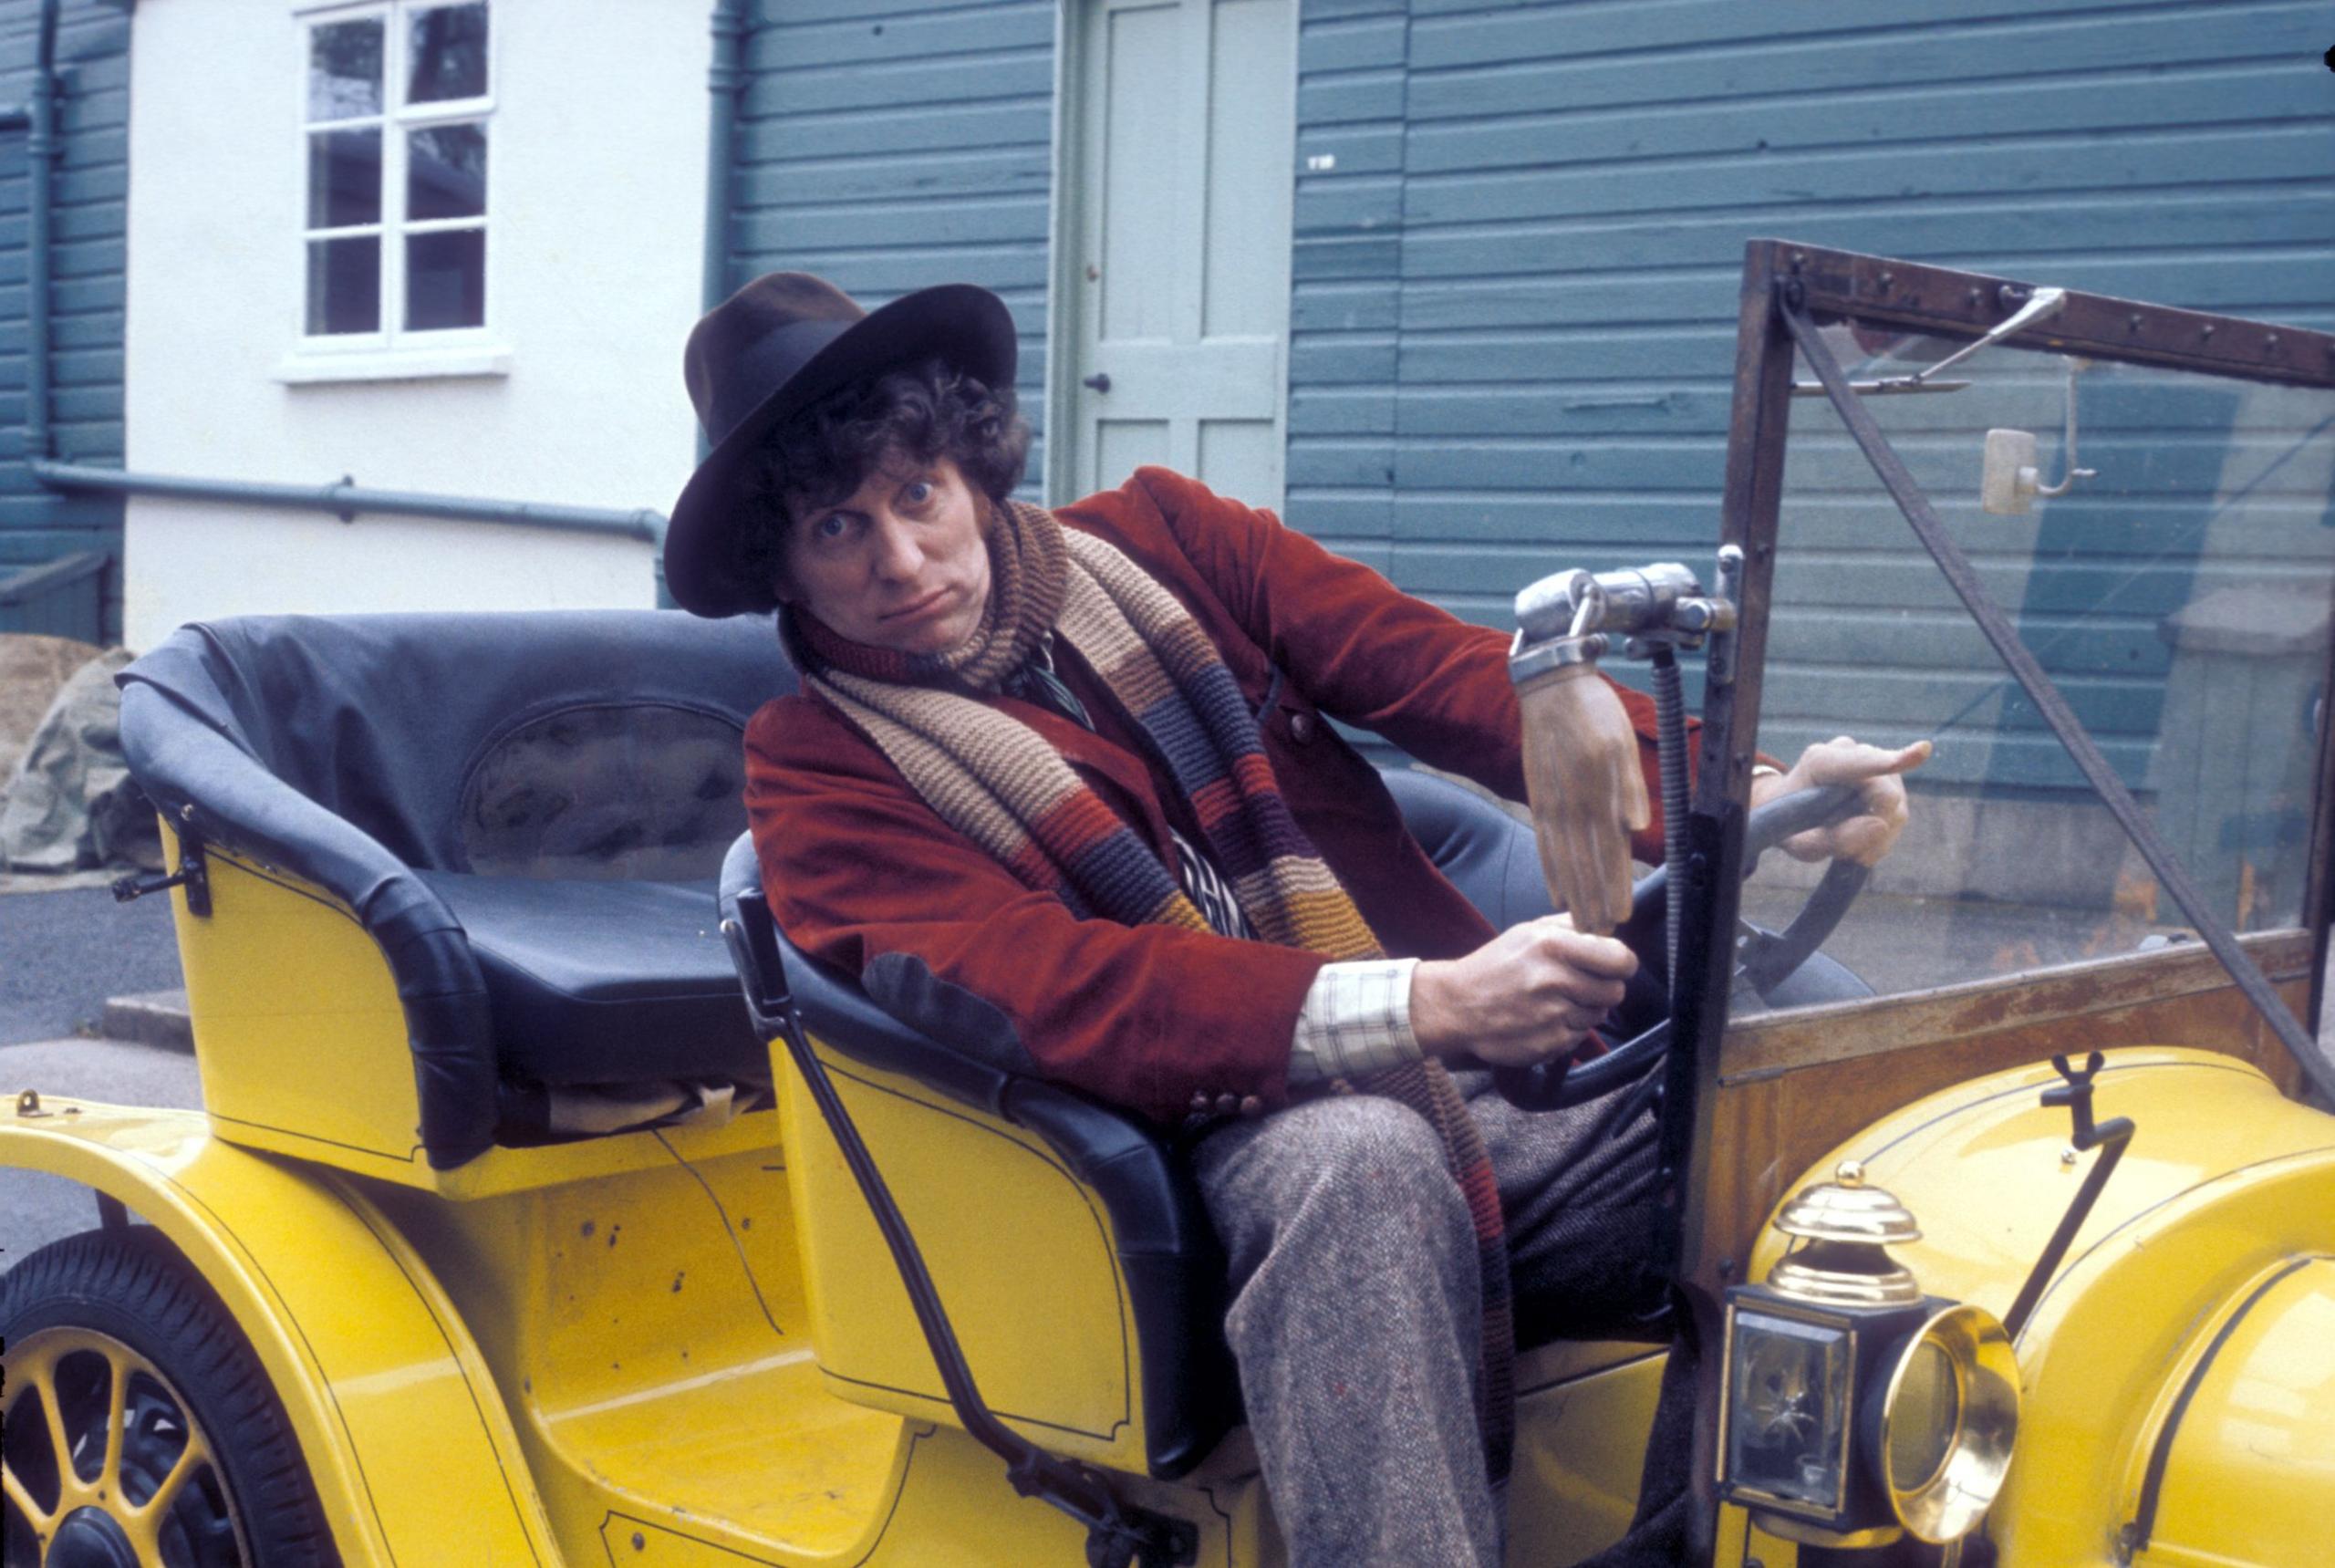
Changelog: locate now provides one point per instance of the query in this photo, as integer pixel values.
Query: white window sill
(298, 370)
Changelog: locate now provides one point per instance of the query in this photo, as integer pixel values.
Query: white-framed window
(397, 106)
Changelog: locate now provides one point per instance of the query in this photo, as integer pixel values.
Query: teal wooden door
(1173, 284)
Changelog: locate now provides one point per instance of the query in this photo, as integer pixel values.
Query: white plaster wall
(596, 202)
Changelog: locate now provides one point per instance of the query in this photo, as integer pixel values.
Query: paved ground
(37, 1209)
(62, 954)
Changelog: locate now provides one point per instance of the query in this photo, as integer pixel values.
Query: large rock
(32, 670)
(72, 805)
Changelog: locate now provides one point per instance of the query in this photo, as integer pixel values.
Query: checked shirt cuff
(1356, 1019)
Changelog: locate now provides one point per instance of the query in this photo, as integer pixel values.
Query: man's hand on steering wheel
(1531, 994)
(1868, 835)
(1856, 786)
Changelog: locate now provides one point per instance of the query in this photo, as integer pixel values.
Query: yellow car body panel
(665, 1406)
(1024, 1257)
(2250, 1470)
(278, 967)
(2226, 1182)
(646, 1332)
(413, 1454)
(1581, 1414)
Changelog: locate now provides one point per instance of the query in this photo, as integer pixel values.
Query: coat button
(1300, 727)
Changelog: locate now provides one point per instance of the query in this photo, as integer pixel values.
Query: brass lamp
(1854, 1409)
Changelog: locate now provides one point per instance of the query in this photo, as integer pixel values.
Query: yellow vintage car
(547, 1207)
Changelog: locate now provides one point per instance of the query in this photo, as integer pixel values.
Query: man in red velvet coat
(859, 481)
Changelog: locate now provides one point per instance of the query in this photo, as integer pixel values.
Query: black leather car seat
(526, 811)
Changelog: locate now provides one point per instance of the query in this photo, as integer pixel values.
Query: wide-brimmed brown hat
(772, 349)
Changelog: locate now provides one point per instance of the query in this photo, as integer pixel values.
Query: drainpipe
(723, 82)
(40, 169)
(725, 78)
(347, 499)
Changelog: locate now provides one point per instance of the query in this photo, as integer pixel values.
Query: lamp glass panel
(1787, 1408)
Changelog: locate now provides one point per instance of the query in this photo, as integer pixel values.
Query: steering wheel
(1764, 959)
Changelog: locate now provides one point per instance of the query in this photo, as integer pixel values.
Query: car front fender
(408, 1445)
(2189, 1332)
(2237, 1470)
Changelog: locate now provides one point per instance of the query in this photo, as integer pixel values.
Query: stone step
(149, 1018)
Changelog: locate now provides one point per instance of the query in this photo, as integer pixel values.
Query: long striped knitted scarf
(1001, 784)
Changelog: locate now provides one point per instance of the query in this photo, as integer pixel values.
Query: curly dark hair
(919, 412)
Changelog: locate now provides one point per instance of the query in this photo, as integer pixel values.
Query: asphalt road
(62, 954)
(36, 1210)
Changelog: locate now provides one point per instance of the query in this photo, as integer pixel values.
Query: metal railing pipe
(347, 500)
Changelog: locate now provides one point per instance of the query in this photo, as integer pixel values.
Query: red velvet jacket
(861, 873)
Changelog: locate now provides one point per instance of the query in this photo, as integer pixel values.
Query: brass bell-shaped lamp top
(1848, 1228)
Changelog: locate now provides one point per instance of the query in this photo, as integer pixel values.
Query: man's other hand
(1867, 836)
(1530, 994)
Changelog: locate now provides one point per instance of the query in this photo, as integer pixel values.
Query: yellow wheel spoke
(117, 1399)
(69, 1479)
(14, 1491)
(193, 1457)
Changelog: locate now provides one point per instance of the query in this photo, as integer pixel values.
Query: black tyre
(139, 1428)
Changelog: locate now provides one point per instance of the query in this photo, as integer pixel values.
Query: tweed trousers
(1355, 1301)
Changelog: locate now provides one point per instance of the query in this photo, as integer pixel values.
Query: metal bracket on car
(1572, 616)
(2113, 1136)
(1718, 653)
(193, 875)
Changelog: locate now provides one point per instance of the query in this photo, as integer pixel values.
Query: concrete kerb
(157, 1018)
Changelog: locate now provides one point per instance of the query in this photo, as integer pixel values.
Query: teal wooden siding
(86, 267)
(1517, 231)
(901, 143)
(1514, 294)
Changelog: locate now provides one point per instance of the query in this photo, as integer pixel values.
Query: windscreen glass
(2178, 594)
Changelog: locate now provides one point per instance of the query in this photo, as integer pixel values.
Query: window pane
(344, 178)
(448, 54)
(344, 286)
(345, 71)
(445, 280)
(445, 172)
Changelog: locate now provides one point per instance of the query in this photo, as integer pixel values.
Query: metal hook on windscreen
(2011, 479)
(2076, 366)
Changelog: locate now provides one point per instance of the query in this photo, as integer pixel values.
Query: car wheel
(137, 1428)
